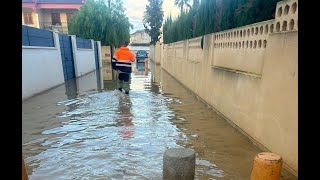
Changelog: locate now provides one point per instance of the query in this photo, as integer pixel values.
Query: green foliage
(101, 21)
(196, 3)
(216, 15)
(181, 4)
(152, 19)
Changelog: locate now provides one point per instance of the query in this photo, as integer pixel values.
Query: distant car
(141, 55)
(140, 66)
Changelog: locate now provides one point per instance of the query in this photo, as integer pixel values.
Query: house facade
(49, 14)
(140, 37)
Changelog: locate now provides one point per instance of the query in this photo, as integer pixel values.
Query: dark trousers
(123, 81)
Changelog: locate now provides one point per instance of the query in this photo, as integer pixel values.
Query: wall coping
(39, 47)
(249, 25)
(84, 49)
(238, 71)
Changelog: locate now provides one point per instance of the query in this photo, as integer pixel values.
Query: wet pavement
(85, 129)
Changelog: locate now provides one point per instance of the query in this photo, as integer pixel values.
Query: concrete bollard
(266, 166)
(179, 163)
(24, 172)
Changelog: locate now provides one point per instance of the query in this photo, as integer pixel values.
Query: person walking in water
(121, 61)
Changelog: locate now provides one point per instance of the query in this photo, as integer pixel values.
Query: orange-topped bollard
(24, 173)
(266, 166)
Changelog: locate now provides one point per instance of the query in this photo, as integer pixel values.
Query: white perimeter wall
(87, 83)
(41, 70)
(42, 66)
(84, 59)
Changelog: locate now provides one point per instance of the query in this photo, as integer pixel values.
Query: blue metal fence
(36, 37)
(39, 37)
(83, 43)
(67, 56)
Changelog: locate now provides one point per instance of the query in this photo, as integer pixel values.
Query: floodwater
(85, 129)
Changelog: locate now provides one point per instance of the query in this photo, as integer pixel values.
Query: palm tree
(182, 3)
(195, 3)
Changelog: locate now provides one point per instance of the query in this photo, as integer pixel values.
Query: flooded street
(86, 129)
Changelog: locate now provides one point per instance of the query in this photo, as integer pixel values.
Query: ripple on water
(110, 135)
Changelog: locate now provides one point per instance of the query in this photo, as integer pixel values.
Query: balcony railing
(61, 27)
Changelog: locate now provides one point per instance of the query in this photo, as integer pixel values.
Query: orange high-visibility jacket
(123, 59)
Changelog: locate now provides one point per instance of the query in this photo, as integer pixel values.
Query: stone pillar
(179, 163)
(152, 55)
(56, 40)
(36, 20)
(99, 53)
(157, 52)
(266, 166)
(74, 51)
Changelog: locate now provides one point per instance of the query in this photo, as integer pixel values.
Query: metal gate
(67, 56)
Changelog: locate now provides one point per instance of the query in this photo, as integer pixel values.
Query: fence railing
(62, 27)
(83, 43)
(36, 37)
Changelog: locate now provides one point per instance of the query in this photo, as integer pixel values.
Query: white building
(140, 36)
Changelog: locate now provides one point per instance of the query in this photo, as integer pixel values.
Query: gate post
(74, 51)
(99, 53)
(56, 40)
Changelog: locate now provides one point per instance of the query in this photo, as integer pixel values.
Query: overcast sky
(136, 8)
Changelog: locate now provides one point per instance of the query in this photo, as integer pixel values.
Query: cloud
(169, 8)
(135, 10)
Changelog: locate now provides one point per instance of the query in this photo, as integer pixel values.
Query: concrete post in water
(24, 172)
(179, 163)
(266, 166)
(146, 66)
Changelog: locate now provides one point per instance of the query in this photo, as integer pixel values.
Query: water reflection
(108, 77)
(78, 86)
(125, 118)
(140, 66)
(71, 88)
(155, 78)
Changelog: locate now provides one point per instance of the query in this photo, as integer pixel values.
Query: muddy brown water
(85, 129)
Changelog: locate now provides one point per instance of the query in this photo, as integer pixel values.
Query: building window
(27, 18)
(68, 16)
(55, 17)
